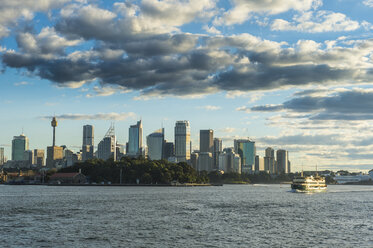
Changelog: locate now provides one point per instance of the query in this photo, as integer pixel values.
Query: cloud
(242, 9)
(321, 21)
(13, 11)
(228, 130)
(22, 83)
(99, 116)
(355, 104)
(209, 107)
(107, 90)
(161, 62)
(368, 3)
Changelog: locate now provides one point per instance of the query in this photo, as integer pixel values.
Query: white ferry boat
(309, 184)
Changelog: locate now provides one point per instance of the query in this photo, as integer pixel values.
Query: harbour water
(228, 216)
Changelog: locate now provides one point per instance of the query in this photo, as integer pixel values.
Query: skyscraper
(247, 151)
(88, 142)
(39, 156)
(135, 139)
(259, 164)
(229, 161)
(182, 141)
(218, 148)
(20, 144)
(205, 161)
(269, 161)
(155, 143)
(206, 140)
(2, 156)
(107, 147)
(168, 149)
(282, 157)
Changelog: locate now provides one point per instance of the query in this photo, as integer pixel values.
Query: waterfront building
(259, 164)
(247, 151)
(168, 149)
(39, 157)
(107, 147)
(205, 161)
(343, 179)
(135, 139)
(206, 140)
(88, 142)
(282, 157)
(2, 156)
(155, 143)
(269, 161)
(20, 144)
(182, 141)
(218, 148)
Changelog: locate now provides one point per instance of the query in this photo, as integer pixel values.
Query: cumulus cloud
(243, 8)
(131, 53)
(368, 3)
(12, 11)
(99, 116)
(317, 22)
(22, 83)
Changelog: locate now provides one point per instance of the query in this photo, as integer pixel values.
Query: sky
(289, 74)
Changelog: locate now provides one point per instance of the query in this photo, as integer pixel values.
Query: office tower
(247, 151)
(88, 142)
(2, 156)
(28, 157)
(229, 161)
(182, 141)
(169, 150)
(155, 143)
(54, 156)
(135, 139)
(20, 144)
(205, 161)
(218, 148)
(107, 147)
(194, 160)
(282, 157)
(70, 158)
(206, 140)
(289, 165)
(259, 164)
(269, 161)
(39, 156)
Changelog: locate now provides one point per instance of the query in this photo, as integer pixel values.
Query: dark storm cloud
(344, 105)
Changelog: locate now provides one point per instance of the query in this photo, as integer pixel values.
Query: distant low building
(68, 178)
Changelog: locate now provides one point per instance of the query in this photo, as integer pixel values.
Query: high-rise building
(54, 156)
(194, 160)
(39, 156)
(259, 164)
(135, 139)
(20, 144)
(269, 161)
(107, 147)
(229, 161)
(205, 161)
(88, 142)
(155, 143)
(168, 149)
(247, 151)
(28, 157)
(182, 141)
(218, 148)
(282, 157)
(2, 156)
(206, 140)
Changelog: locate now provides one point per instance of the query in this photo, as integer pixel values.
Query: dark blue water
(228, 216)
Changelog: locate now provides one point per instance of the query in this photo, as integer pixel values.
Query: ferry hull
(307, 188)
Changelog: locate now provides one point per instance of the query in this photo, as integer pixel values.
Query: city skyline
(288, 74)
